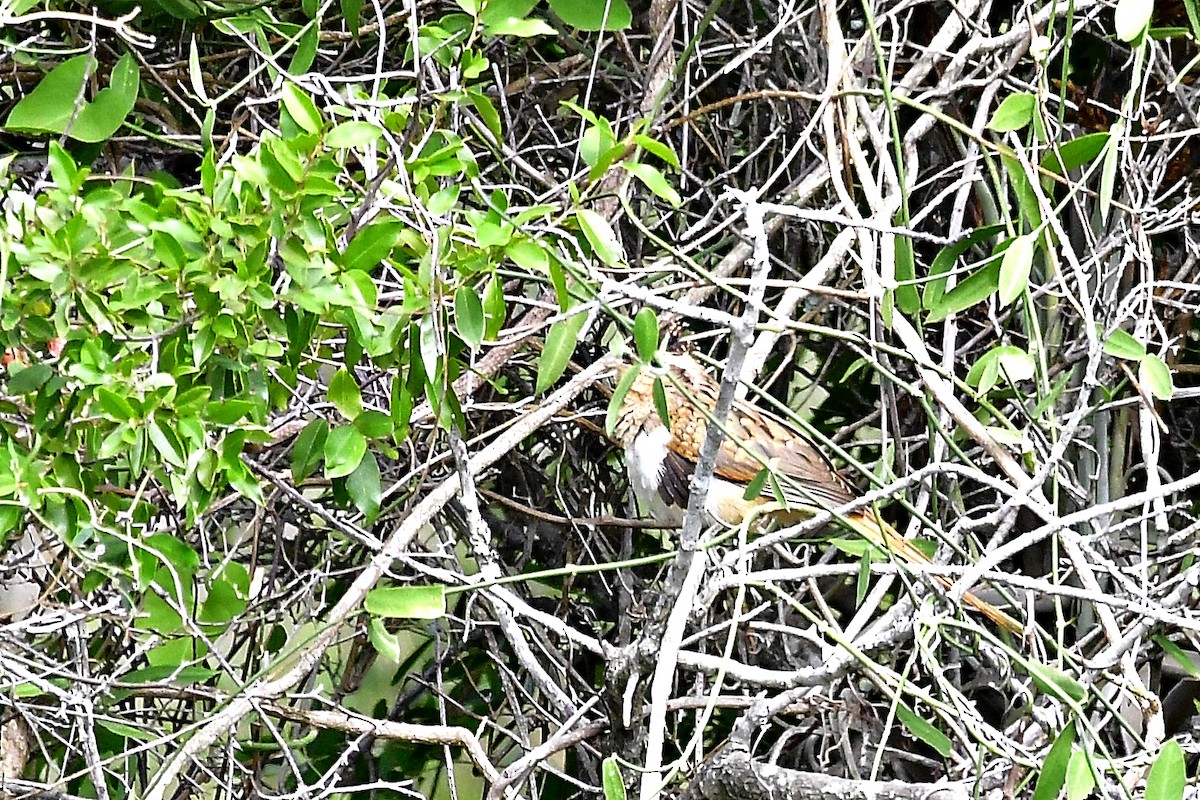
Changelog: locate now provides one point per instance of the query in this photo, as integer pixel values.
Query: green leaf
(353, 134)
(468, 316)
(528, 255)
(1054, 681)
(364, 487)
(560, 346)
(30, 379)
(50, 107)
(1015, 267)
(494, 309)
(945, 260)
(660, 402)
(1178, 656)
(1081, 780)
(1054, 768)
(407, 602)
(112, 404)
(754, 488)
(372, 244)
(590, 15)
(1075, 153)
(614, 785)
(1154, 374)
(1121, 344)
(600, 236)
(645, 333)
(905, 294)
(374, 424)
(344, 451)
(1014, 113)
(618, 397)
(655, 181)
(309, 449)
(1131, 18)
(345, 394)
(1168, 776)
(301, 108)
(657, 148)
(352, 12)
(522, 27)
(166, 442)
(975, 288)
(924, 730)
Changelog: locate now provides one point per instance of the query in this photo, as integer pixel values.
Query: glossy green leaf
(50, 107)
(364, 487)
(1121, 344)
(658, 149)
(655, 181)
(924, 730)
(372, 244)
(1014, 113)
(353, 134)
(659, 392)
(1081, 780)
(1178, 656)
(975, 288)
(344, 451)
(166, 441)
(1015, 267)
(301, 108)
(614, 785)
(524, 28)
(1075, 153)
(309, 449)
(1154, 374)
(407, 602)
(594, 15)
(558, 349)
(494, 308)
(600, 236)
(1053, 774)
(345, 394)
(528, 255)
(468, 316)
(945, 260)
(1054, 681)
(645, 333)
(1168, 776)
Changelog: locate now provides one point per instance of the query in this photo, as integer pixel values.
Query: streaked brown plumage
(661, 463)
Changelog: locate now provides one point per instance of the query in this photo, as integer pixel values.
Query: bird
(661, 458)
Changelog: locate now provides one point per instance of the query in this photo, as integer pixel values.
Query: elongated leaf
(468, 316)
(407, 602)
(614, 785)
(946, 259)
(309, 449)
(975, 288)
(345, 395)
(594, 15)
(557, 352)
(645, 333)
(1081, 780)
(365, 488)
(1156, 377)
(1054, 768)
(1168, 776)
(618, 397)
(924, 730)
(600, 236)
(1015, 268)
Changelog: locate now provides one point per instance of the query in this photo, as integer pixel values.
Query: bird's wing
(756, 440)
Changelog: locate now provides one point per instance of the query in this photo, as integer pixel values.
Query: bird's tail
(884, 536)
